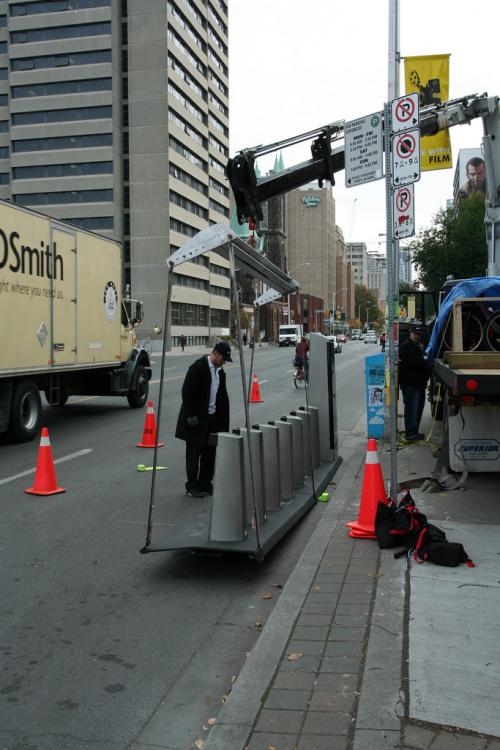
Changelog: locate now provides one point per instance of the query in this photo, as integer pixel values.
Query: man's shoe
(207, 490)
(420, 436)
(195, 492)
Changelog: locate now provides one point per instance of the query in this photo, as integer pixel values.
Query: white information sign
(406, 157)
(363, 150)
(405, 112)
(403, 212)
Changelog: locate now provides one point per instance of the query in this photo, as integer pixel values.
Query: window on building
(63, 142)
(60, 32)
(188, 205)
(54, 6)
(93, 223)
(187, 153)
(219, 318)
(67, 196)
(62, 87)
(192, 315)
(62, 115)
(187, 179)
(56, 61)
(63, 170)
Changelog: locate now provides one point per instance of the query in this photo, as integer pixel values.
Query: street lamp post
(367, 311)
(334, 297)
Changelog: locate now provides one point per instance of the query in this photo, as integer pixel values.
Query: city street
(99, 643)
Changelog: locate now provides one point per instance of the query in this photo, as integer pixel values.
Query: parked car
(356, 334)
(337, 346)
(342, 338)
(362, 336)
(370, 337)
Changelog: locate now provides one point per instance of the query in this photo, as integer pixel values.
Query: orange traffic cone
(255, 393)
(149, 434)
(372, 491)
(45, 476)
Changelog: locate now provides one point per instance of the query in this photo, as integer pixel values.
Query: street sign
(404, 212)
(406, 157)
(363, 150)
(405, 112)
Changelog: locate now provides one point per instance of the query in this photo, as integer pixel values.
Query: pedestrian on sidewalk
(182, 341)
(204, 411)
(244, 339)
(413, 374)
(382, 341)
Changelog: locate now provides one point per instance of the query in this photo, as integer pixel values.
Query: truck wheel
(61, 400)
(138, 394)
(26, 412)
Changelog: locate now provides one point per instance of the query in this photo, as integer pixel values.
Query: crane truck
(66, 330)
(468, 377)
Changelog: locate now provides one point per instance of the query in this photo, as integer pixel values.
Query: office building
(376, 271)
(114, 116)
(356, 255)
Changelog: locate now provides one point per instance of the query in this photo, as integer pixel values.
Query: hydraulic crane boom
(250, 192)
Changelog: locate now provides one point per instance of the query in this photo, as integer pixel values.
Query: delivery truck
(66, 329)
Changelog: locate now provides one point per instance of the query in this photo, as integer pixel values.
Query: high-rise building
(311, 241)
(355, 254)
(377, 275)
(114, 116)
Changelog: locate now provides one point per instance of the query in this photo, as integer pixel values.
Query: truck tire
(26, 412)
(63, 397)
(138, 394)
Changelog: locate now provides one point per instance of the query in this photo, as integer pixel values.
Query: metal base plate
(194, 537)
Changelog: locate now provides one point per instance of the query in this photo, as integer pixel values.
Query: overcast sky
(296, 65)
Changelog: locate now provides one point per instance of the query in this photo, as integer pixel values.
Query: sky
(297, 65)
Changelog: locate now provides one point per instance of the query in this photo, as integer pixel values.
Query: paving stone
(304, 664)
(294, 680)
(346, 621)
(327, 587)
(341, 664)
(318, 597)
(310, 634)
(352, 609)
(357, 598)
(418, 737)
(313, 621)
(343, 648)
(292, 700)
(329, 700)
(318, 742)
(456, 741)
(324, 608)
(376, 739)
(347, 634)
(330, 577)
(264, 740)
(340, 683)
(308, 648)
(318, 722)
(279, 722)
(353, 588)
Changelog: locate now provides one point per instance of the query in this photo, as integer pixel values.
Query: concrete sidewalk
(365, 651)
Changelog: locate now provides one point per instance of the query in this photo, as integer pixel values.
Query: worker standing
(413, 375)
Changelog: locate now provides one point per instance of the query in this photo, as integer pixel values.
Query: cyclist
(302, 356)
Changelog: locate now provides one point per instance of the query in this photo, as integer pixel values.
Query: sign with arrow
(363, 150)
(403, 212)
(405, 112)
(406, 157)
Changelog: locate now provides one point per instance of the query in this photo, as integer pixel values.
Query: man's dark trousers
(414, 401)
(200, 463)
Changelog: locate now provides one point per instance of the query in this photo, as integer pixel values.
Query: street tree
(454, 244)
(363, 299)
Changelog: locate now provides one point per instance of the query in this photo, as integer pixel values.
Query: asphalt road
(103, 647)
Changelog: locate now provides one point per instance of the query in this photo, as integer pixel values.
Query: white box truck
(65, 328)
(289, 334)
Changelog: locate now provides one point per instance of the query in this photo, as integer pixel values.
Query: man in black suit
(204, 410)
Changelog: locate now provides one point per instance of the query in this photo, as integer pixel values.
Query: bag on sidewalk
(432, 546)
(399, 525)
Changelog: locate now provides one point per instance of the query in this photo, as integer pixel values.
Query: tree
(454, 244)
(364, 298)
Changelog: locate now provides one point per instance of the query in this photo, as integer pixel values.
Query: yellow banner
(429, 75)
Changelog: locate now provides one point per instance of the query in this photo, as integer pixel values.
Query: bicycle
(299, 378)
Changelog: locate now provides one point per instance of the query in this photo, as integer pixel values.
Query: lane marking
(57, 461)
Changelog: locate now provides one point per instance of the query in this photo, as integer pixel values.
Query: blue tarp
(488, 286)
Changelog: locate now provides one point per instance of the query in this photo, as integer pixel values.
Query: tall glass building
(114, 116)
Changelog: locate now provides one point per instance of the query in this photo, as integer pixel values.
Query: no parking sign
(403, 212)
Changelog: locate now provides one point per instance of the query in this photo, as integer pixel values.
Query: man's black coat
(195, 401)
(413, 369)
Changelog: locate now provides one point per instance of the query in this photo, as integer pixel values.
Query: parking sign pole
(392, 297)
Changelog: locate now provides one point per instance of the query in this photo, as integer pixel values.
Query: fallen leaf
(266, 596)
(316, 588)
(277, 585)
(224, 698)
(211, 722)
(295, 657)
(258, 625)
(199, 744)
(233, 678)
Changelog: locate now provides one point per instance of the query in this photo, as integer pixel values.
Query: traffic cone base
(45, 476)
(372, 492)
(149, 434)
(255, 393)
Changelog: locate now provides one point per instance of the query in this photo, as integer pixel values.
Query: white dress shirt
(214, 387)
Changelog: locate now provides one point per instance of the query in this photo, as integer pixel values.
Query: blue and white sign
(375, 392)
